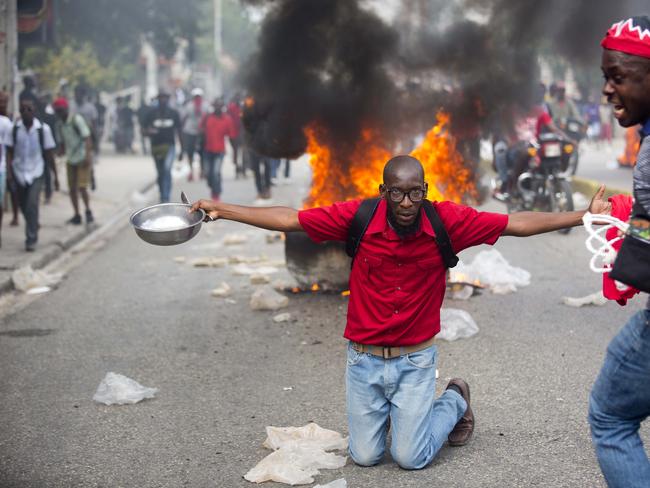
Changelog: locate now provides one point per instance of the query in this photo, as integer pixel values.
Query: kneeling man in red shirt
(397, 285)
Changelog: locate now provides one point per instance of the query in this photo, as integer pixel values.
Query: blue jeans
(213, 163)
(164, 169)
(404, 389)
(619, 402)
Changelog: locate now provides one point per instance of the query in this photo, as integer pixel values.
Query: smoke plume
(337, 65)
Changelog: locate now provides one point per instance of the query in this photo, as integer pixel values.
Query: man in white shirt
(5, 132)
(30, 147)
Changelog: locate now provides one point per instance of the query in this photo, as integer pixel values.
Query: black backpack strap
(359, 225)
(442, 237)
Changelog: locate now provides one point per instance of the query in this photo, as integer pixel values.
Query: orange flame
(632, 145)
(361, 175)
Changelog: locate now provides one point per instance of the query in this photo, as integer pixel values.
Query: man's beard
(403, 230)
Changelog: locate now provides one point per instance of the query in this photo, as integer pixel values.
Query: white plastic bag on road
(311, 434)
(596, 298)
(492, 270)
(26, 278)
(340, 483)
(117, 389)
(299, 453)
(266, 298)
(456, 324)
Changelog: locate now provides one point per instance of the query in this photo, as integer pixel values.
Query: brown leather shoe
(465, 426)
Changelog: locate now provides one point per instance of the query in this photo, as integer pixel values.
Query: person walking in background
(234, 112)
(163, 126)
(5, 134)
(51, 181)
(29, 149)
(191, 121)
(215, 127)
(76, 144)
(124, 117)
(142, 113)
(262, 168)
(85, 108)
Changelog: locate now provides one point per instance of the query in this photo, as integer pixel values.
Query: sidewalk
(117, 176)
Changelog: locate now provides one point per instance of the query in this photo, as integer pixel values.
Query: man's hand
(211, 209)
(599, 204)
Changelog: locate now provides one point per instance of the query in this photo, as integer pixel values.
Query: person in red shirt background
(215, 127)
(397, 284)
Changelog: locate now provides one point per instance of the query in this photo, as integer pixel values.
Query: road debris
(339, 483)
(282, 317)
(266, 298)
(244, 270)
(287, 388)
(299, 454)
(597, 298)
(491, 269)
(273, 237)
(230, 301)
(456, 324)
(117, 389)
(26, 279)
(234, 239)
(180, 259)
(239, 259)
(209, 262)
(223, 290)
(260, 279)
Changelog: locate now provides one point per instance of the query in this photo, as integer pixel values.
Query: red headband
(631, 36)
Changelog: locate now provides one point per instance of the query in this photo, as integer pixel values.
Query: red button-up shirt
(397, 285)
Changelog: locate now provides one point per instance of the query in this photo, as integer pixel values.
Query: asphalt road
(222, 371)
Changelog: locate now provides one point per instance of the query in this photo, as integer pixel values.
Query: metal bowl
(167, 224)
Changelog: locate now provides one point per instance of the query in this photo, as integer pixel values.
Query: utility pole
(218, 47)
(8, 47)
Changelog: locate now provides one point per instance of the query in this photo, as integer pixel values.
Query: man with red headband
(620, 398)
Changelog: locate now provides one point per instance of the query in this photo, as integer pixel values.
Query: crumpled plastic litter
(239, 259)
(209, 262)
(26, 279)
(339, 483)
(244, 270)
(233, 239)
(117, 389)
(223, 290)
(299, 453)
(260, 279)
(494, 271)
(282, 317)
(456, 324)
(597, 298)
(266, 298)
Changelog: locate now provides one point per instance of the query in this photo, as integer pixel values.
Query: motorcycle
(544, 184)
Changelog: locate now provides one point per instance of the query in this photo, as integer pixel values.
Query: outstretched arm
(282, 219)
(524, 224)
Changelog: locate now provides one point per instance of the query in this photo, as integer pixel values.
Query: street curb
(588, 187)
(57, 249)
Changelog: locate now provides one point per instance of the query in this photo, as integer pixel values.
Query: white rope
(603, 250)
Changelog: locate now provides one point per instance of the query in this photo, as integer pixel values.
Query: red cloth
(543, 120)
(234, 112)
(216, 129)
(397, 286)
(621, 209)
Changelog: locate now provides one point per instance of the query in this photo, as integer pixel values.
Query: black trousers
(29, 200)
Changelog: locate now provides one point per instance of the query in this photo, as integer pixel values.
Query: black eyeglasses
(416, 195)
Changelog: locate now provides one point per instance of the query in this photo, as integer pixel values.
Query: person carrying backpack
(76, 144)
(29, 148)
(397, 284)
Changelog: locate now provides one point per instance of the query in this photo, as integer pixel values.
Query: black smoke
(338, 64)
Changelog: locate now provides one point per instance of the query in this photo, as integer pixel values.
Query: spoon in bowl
(186, 201)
